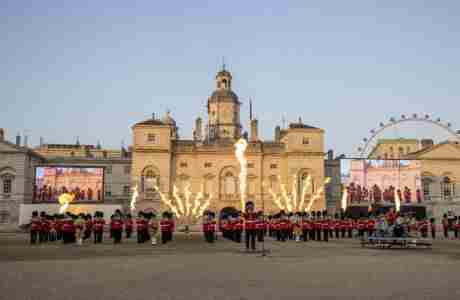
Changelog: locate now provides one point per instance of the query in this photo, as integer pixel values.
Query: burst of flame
(64, 201)
(397, 201)
(287, 199)
(178, 199)
(134, 198)
(198, 198)
(276, 199)
(306, 186)
(344, 199)
(317, 195)
(241, 146)
(188, 194)
(193, 206)
(294, 192)
(168, 202)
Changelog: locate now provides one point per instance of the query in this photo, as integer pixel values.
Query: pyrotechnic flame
(169, 203)
(397, 201)
(294, 192)
(134, 198)
(204, 206)
(306, 186)
(286, 198)
(198, 198)
(317, 195)
(241, 146)
(188, 194)
(64, 201)
(178, 199)
(344, 199)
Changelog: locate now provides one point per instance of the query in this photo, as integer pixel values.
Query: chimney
(254, 131)
(153, 116)
(26, 138)
(41, 142)
(277, 134)
(18, 140)
(198, 129)
(2, 134)
(427, 143)
(330, 155)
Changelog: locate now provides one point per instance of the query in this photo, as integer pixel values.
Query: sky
(92, 69)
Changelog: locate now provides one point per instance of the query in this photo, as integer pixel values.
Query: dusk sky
(94, 68)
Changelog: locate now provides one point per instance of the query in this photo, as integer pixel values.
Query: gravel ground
(188, 268)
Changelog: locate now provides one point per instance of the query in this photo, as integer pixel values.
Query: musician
(250, 219)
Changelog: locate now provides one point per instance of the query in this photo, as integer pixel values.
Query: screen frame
(75, 167)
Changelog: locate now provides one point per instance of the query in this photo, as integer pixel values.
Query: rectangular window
(108, 193)
(183, 165)
(273, 166)
(7, 186)
(127, 169)
(108, 170)
(126, 190)
(207, 165)
(250, 165)
(151, 138)
(306, 141)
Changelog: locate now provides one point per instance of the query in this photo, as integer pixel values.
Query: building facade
(162, 161)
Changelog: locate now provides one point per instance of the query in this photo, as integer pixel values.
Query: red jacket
(116, 224)
(35, 224)
(99, 225)
(250, 220)
(209, 227)
(128, 224)
(166, 226)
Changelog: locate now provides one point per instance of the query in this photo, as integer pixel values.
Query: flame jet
(241, 146)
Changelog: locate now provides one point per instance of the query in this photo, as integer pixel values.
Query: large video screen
(382, 181)
(86, 183)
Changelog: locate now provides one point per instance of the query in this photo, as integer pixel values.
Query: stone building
(161, 160)
(17, 173)
(440, 170)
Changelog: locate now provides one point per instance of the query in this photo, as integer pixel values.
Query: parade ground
(189, 268)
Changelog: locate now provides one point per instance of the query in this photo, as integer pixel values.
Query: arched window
(426, 185)
(4, 216)
(150, 180)
(229, 184)
(401, 151)
(7, 185)
(224, 83)
(408, 150)
(447, 188)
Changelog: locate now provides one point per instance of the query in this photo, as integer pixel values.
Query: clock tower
(224, 110)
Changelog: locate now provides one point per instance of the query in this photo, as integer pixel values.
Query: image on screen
(86, 183)
(382, 181)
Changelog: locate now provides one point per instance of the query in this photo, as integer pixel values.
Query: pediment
(8, 147)
(442, 151)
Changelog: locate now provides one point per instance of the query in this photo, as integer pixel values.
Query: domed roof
(224, 72)
(223, 96)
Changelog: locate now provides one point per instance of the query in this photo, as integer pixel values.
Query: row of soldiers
(72, 228)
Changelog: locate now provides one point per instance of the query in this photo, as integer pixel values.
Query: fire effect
(397, 201)
(317, 195)
(189, 206)
(292, 202)
(134, 198)
(241, 146)
(65, 200)
(344, 199)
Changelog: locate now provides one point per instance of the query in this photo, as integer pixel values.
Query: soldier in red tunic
(116, 226)
(166, 228)
(250, 219)
(128, 226)
(98, 227)
(209, 227)
(35, 227)
(419, 196)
